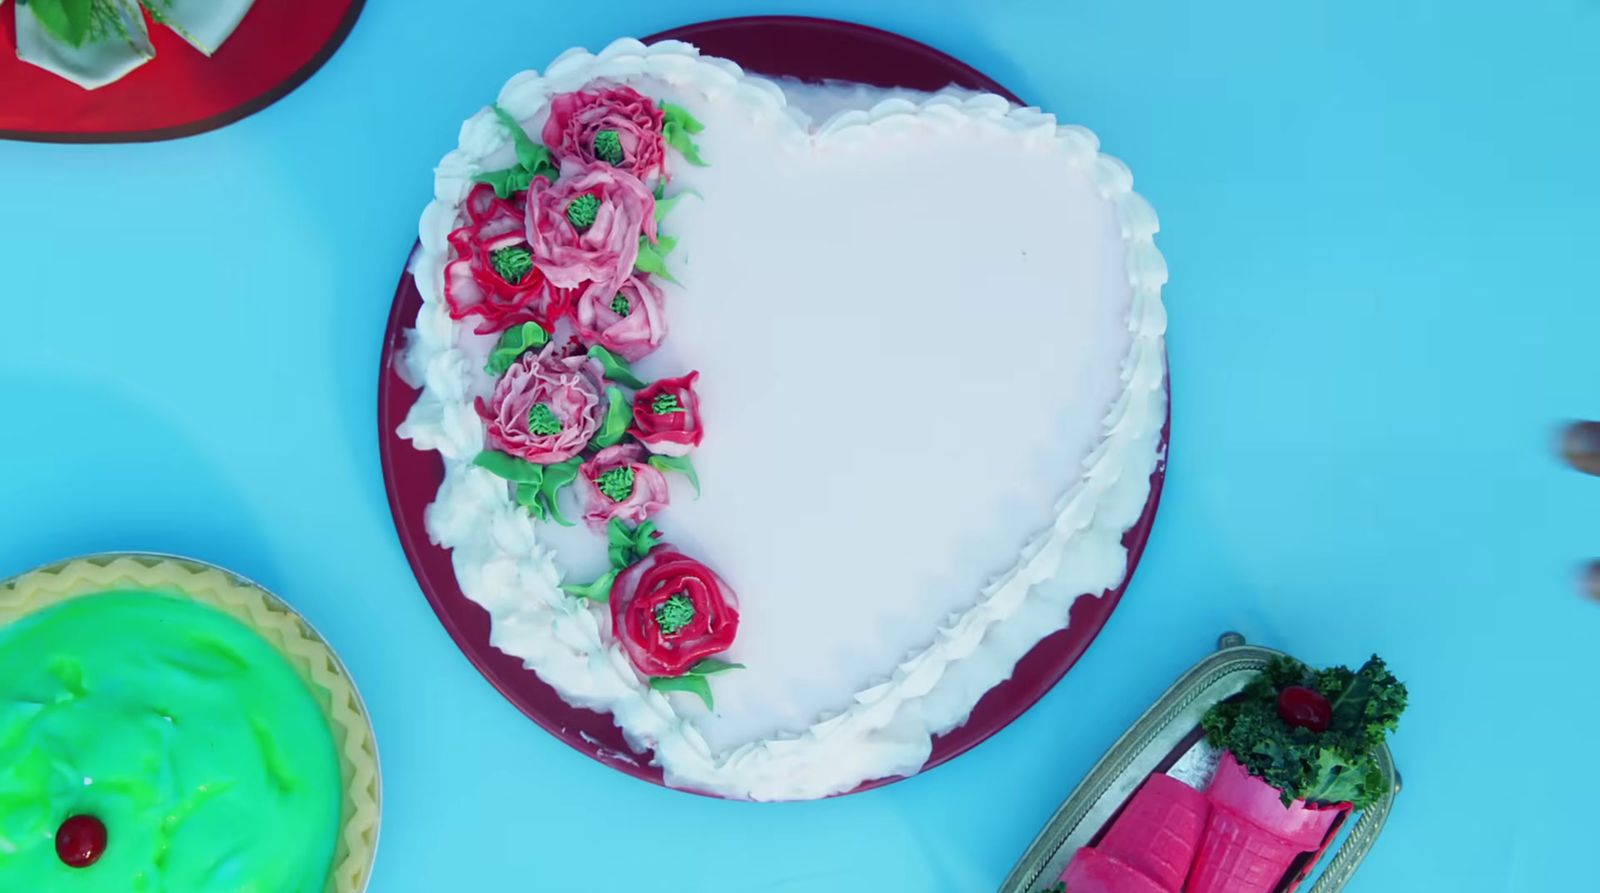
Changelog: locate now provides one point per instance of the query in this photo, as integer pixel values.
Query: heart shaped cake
(781, 420)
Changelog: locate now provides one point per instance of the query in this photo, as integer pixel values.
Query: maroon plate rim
(773, 45)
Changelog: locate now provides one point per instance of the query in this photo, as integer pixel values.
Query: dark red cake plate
(181, 92)
(773, 45)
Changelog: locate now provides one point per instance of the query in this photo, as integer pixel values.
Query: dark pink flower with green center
(611, 124)
(584, 229)
(546, 408)
(629, 323)
(619, 482)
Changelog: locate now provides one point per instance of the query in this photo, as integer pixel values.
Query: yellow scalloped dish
(165, 725)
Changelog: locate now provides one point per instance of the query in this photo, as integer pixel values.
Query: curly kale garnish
(1332, 766)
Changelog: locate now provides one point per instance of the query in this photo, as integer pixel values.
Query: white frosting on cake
(930, 339)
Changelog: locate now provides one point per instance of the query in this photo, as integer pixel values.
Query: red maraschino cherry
(81, 840)
(1307, 709)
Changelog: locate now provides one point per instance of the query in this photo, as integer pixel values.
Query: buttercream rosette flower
(493, 276)
(611, 124)
(546, 408)
(666, 416)
(669, 612)
(584, 229)
(619, 482)
(630, 323)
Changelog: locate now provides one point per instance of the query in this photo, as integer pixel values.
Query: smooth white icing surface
(929, 333)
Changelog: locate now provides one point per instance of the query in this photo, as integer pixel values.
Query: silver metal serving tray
(1165, 733)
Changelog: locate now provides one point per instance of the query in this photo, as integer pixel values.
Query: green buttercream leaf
(521, 178)
(517, 471)
(510, 181)
(513, 343)
(649, 261)
(711, 666)
(678, 138)
(598, 591)
(557, 478)
(618, 534)
(530, 155)
(500, 180)
(695, 685)
(619, 412)
(644, 538)
(528, 496)
(681, 465)
(678, 125)
(665, 245)
(628, 545)
(616, 368)
(664, 206)
(672, 113)
(561, 474)
(650, 258)
(533, 160)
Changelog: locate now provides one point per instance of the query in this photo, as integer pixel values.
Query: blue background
(1379, 218)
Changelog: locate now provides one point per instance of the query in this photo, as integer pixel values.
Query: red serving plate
(814, 49)
(180, 92)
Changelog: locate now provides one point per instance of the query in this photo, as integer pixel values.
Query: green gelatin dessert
(151, 742)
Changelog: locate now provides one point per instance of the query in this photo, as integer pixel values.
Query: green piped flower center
(674, 614)
(542, 420)
(608, 147)
(616, 483)
(664, 404)
(512, 263)
(619, 304)
(582, 211)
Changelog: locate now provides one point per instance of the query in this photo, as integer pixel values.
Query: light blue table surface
(1380, 221)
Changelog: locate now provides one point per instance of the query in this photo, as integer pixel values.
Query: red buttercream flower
(612, 124)
(493, 276)
(666, 416)
(670, 612)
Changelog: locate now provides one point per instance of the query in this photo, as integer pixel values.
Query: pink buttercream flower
(546, 408)
(584, 229)
(619, 483)
(629, 323)
(612, 124)
(492, 276)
